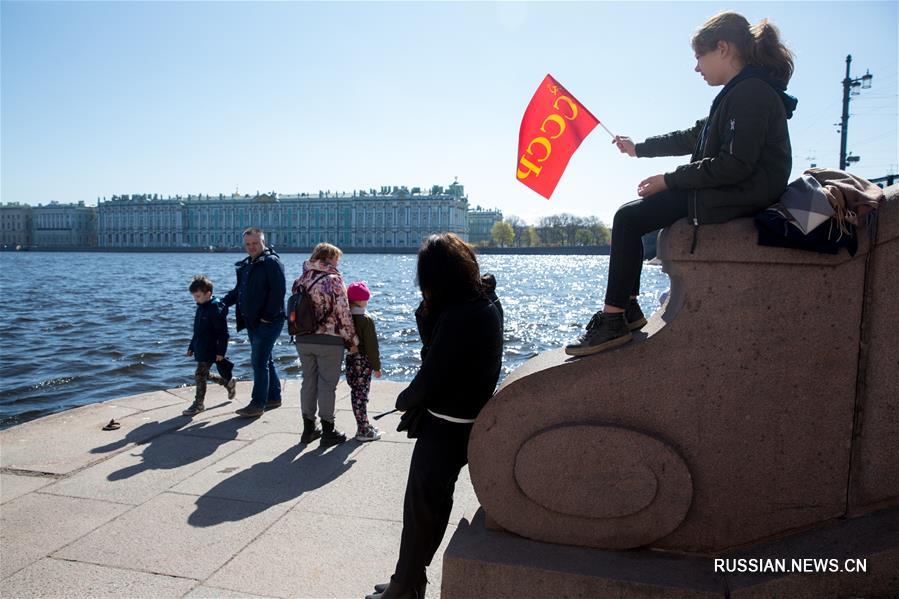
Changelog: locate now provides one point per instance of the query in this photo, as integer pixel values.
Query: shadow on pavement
(165, 452)
(265, 484)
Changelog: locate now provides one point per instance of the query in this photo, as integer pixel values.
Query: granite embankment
(215, 506)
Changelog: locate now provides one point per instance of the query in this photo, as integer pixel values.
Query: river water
(80, 328)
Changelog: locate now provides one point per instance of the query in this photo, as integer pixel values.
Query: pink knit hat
(358, 292)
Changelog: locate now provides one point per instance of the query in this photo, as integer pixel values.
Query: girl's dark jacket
(262, 298)
(462, 361)
(741, 154)
(210, 331)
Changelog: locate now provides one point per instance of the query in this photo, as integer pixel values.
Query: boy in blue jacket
(209, 343)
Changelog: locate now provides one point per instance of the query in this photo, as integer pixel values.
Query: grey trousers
(320, 364)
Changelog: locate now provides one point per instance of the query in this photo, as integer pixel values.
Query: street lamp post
(849, 86)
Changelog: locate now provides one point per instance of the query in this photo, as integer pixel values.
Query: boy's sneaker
(604, 331)
(370, 433)
(231, 386)
(634, 316)
(195, 408)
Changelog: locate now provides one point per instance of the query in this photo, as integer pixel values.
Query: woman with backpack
(741, 160)
(321, 344)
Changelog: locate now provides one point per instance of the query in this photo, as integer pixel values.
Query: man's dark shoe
(272, 405)
(330, 435)
(634, 316)
(604, 331)
(250, 411)
(310, 431)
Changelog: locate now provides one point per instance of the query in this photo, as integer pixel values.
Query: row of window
(381, 239)
(234, 218)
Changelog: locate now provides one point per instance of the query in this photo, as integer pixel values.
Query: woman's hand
(377, 374)
(625, 145)
(652, 185)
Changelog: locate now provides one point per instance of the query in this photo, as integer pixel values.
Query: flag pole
(607, 129)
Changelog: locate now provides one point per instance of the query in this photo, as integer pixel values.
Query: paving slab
(74, 434)
(214, 393)
(174, 534)
(139, 474)
(272, 470)
(59, 578)
(207, 592)
(12, 485)
(35, 525)
(311, 556)
(147, 401)
(227, 425)
(376, 487)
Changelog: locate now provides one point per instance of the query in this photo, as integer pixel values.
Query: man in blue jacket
(259, 296)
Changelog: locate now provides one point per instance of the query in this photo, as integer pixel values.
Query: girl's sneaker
(369, 434)
(231, 386)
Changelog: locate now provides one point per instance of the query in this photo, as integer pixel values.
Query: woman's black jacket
(461, 367)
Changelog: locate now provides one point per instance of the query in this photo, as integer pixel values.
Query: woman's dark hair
(758, 45)
(448, 271)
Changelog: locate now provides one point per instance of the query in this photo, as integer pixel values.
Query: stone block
(148, 401)
(273, 470)
(76, 436)
(178, 535)
(875, 466)
(35, 525)
(58, 578)
(139, 474)
(12, 486)
(484, 563)
(873, 538)
(500, 565)
(315, 556)
(207, 592)
(744, 382)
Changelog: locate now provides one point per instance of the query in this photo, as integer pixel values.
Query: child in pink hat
(361, 365)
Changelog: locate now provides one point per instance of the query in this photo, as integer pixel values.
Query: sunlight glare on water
(81, 328)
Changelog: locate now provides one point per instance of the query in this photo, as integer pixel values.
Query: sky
(104, 98)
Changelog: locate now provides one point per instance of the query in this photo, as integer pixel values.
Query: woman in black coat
(461, 325)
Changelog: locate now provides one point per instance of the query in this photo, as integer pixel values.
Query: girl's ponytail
(758, 45)
(769, 52)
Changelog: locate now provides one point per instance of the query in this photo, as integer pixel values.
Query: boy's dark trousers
(225, 368)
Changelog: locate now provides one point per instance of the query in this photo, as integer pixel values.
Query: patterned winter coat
(332, 307)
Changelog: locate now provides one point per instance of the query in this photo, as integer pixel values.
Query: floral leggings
(358, 375)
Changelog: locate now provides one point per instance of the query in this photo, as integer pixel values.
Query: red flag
(552, 128)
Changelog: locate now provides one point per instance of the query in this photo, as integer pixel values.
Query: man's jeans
(266, 385)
